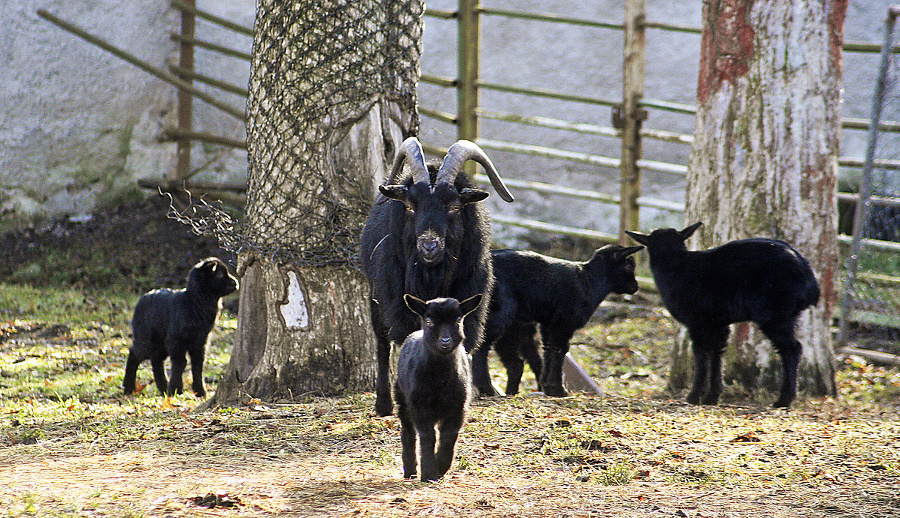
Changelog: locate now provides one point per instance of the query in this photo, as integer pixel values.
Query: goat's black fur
(559, 295)
(759, 280)
(434, 385)
(428, 240)
(176, 323)
(518, 345)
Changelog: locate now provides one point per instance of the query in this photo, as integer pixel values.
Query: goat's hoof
(710, 400)
(555, 391)
(693, 399)
(487, 391)
(383, 409)
(782, 403)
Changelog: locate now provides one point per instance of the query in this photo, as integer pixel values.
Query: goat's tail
(811, 291)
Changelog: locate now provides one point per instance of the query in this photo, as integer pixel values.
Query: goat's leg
(179, 362)
(529, 349)
(427, 461)
(481, 377)
(198, 355)
(517, 343)
(789, 348)
(707, 345)
(130, 382)
(556, 345)
(384, 405)
(408, 443)
(447, 445)
(514, 370)
(715, 379)
(507, 350)
(701, 366)
(159, 374)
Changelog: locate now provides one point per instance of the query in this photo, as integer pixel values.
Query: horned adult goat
(759, 280)
(427, 237)
(559, 295)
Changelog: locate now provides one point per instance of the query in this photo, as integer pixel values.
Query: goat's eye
(453, 208)
(429, 322)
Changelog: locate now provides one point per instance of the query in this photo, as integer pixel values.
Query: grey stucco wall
(79, 126)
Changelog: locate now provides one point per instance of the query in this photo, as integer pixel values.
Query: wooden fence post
(631, 114)
(468, 44)
(185, 99)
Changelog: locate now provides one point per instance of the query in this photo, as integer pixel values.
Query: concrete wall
(79, 126)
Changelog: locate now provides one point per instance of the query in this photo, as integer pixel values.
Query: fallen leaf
(747, 437)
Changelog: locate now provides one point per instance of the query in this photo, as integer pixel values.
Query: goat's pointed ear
(467, 196)
(637, 236)
(416, 304)
(625, 252)
(689, 231)
(394, 192)
(467, 306)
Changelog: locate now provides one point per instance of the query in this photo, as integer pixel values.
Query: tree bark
(329, 102)
(764, 163)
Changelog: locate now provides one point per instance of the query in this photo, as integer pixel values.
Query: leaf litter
(528, 455)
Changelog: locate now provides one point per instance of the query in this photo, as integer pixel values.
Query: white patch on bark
(294, 311)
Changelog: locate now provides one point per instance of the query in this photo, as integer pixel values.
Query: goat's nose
(430, 246)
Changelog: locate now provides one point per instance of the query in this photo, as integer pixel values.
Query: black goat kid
(559, 295)
(175, 323)
(428, 237)
(433, 385)
(764, 281)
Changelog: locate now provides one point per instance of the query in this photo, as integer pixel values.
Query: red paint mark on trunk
(837, 11)
(726, 45)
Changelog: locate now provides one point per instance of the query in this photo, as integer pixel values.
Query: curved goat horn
(411, 149)
(465, 150)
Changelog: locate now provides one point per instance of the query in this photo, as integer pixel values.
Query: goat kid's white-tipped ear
(417, 305)
(467, 306)
(689, 231)
(637, 236)
(467, 196)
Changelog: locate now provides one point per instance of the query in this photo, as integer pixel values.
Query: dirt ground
(634, 452)
(133, 244)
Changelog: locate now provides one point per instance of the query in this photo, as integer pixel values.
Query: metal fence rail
(473, 10)
(871, 291)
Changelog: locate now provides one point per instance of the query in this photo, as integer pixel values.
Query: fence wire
(872, 288)
(317, 68)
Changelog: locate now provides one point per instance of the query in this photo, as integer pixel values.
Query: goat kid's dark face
(665, 239)
(442, 320)
(433, 212)
(212, 275)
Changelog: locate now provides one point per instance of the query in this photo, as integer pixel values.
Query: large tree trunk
(332, 93)
(764, 163)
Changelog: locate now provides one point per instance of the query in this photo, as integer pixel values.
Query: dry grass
(73, 447)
